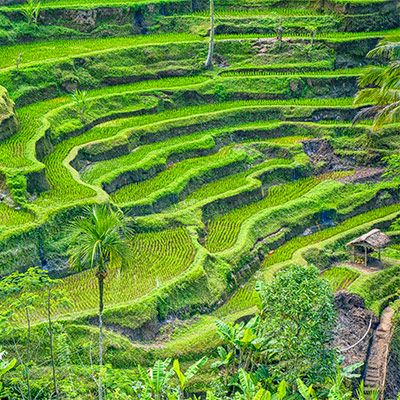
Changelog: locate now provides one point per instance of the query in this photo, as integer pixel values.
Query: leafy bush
(16, 182)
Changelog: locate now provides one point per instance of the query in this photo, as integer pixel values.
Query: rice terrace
(200, 199)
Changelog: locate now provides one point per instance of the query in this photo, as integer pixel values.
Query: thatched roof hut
(374, 239)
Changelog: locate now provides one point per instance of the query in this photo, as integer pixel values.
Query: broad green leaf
(282, 390)
(179, 374)
(303, 389)
(193, 369)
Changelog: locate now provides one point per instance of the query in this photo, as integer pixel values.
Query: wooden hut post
(374, 239)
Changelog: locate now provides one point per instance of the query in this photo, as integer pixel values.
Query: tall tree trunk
(53, 363)
(101, 307)
(209, 60)
(28, 356)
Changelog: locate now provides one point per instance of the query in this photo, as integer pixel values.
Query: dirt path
(377, 361)
(364, 174)
(360, 267)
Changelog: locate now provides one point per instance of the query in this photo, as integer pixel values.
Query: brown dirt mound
(353, 321)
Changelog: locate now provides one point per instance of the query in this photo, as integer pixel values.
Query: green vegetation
(385, 107)
(252, 341)
(190, 160)
(380, 289)
(156, 258)
(298, 305)
(244, 298)
(99, 240)
(340, 277)
(223, 231)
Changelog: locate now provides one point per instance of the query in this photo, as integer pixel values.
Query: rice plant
(158, 257)
(175, 178)
(340, 277)
(244, 297)
(57, 50)
(223, 231)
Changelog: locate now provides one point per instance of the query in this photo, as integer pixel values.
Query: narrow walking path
(360, 267)
(378, 357)
(364, 174)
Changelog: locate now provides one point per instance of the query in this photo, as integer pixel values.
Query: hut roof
(374, 238)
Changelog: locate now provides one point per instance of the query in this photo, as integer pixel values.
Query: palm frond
(387, 114)
(385, 49)
(98, 239)
(366, 113)
(387, 96)
(374, 75)
(367, 96)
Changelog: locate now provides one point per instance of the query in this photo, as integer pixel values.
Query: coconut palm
(98, 240)
(381, 87)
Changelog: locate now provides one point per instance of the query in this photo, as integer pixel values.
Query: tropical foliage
(181, 204)
(380, 86)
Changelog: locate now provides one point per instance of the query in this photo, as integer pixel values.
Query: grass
(36, 118)
(177, 175)
(340, 277)
(157, 258)
(223, 231)
(148, 128)
(87, 4)
(44, 52)
(245, 13)
(232, 182)
(390, 252)
(40, 52)
(378, 289)
(191, 115)
(17, 146)
(66, 187)
(244, 297)
(10, 217)
(265, 71)
(184, 139)
(148, 156)
(235, 183)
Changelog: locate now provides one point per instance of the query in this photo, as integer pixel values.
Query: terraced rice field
(157, 258)
(210, 163)
(245, 296)
(223, 231)
(340, 277)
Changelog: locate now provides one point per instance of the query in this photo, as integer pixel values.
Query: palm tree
(381, 87)
(208, 63)
(98, 240)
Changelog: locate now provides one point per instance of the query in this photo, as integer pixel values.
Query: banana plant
(250, 389)
(245, 346)
(5, 366)
(307, 392)
(190, 373)
(156, 380)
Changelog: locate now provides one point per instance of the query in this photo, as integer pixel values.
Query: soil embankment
(375, 372)
(355, 322)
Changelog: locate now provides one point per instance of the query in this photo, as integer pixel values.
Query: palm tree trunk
(209, 60)
(101, 307)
